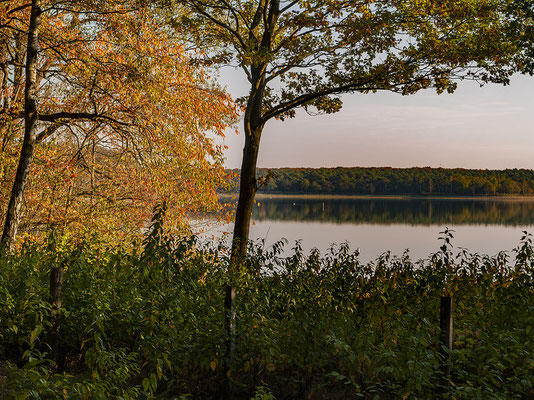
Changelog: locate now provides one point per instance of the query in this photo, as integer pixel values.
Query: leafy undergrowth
(150, 324)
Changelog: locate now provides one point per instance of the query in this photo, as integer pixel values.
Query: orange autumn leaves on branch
(125, 120)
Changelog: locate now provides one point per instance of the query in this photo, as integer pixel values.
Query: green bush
(149, 323)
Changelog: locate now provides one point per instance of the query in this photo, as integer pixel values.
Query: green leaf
(146, 385)
(153, 381)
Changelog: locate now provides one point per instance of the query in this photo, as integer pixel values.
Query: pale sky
(490, 127)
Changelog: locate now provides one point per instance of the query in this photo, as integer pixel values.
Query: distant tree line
(387, 180)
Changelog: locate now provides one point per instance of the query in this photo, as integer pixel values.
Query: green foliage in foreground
(150, 324)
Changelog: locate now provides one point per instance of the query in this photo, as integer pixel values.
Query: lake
(378, 224)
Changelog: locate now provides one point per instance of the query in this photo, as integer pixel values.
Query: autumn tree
(306, 53)
(122, 116)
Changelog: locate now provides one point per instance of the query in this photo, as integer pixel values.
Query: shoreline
(319, 196)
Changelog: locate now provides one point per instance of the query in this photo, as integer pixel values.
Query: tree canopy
(306, 53)
(309, 52)
(123, 119)
(387, 180)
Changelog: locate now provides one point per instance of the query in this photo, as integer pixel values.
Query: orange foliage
(139, 122)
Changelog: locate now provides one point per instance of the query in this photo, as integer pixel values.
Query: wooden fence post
(445, 338)
(56, 286)
(230, 328)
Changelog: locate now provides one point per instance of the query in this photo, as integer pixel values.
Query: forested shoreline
(113, 115)
(388, 180)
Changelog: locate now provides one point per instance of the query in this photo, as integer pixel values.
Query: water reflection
(376, 225)
(411, 211)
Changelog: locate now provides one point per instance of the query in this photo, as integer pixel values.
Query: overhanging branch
(308, 97)
(80, 115)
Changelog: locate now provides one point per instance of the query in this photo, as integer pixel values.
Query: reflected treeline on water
(412, 211)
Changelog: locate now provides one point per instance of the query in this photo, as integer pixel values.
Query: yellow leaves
(35, 333)
(99, 178)
(213, 365)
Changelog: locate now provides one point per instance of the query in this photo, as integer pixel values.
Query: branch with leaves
(124, 120)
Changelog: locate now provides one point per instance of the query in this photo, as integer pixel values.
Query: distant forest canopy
(387, 180)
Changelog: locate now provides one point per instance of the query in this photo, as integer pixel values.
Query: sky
(489, 127)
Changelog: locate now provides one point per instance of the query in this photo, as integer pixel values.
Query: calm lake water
(376, 225)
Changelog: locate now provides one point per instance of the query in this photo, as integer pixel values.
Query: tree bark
(56, 290)
(253, 124)
(247, 192)
(31, 117)
(4, 74)
(20, 51)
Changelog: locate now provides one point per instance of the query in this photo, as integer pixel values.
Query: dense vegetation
(150, 324)
(386, 180)
(117, 129)
(105, 106)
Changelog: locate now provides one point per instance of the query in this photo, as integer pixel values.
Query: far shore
(318, 196)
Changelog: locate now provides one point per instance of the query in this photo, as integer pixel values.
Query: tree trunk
(254, 124)
(20, 51)
(56, 290)
(247, 191)
(4, 74)
(30, 128)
